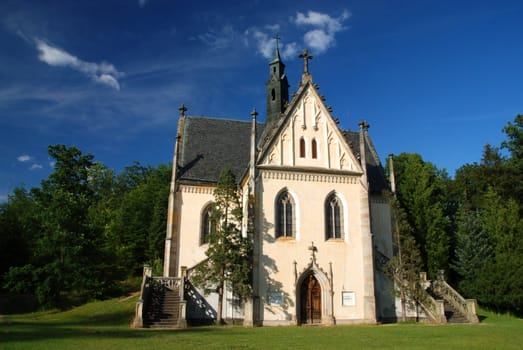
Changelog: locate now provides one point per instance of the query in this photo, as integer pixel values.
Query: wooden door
(310, 301)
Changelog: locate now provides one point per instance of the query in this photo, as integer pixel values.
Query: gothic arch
(286, 214)
(327, 317)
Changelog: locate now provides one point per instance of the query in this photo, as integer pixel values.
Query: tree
(502, 285)
(514, 144)
(422, 192)
(474, 251)
(66, 250)
(17, 229)
(405, 266)
(228, 255)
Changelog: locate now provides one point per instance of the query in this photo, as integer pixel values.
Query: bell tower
(277, 87)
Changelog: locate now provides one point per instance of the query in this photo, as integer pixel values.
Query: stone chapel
(321, 219)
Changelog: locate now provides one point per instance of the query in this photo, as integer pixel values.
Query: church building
(321, 220)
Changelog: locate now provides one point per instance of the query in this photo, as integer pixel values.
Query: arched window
(208, 224)
(285, 215)
(314, 149)
(302, 148)
(333, 217)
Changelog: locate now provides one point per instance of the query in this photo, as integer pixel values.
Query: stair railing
(466, 306)
(435, 309)
(174, 283)
(141, 303)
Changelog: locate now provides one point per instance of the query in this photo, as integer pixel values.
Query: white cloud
(290, 50)
(104, 73)
(24, 158)
(322, 35)
(35, 166)
(52, 164)
(266, 44)
(318, 40)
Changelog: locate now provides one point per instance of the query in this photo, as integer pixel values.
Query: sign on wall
(348, 298)
(276, 298)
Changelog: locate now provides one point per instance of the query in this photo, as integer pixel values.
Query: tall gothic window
(333, 217)
(285, 215)
(208, 224)
(302, 148)
(314, 149)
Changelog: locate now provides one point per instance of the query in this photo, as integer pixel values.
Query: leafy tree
(502, 284)
(514, 144)
(66, 251)
(474, 251)
(422, 192)
(405, 266)
(228, 254)
(17, 229)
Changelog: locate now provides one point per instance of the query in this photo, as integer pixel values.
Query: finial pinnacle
(278, 38)
(254, 114)
(306, 57)
(182, 110)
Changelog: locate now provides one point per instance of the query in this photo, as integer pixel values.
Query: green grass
(105, 325)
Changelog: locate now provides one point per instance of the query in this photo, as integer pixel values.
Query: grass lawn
(105, 325)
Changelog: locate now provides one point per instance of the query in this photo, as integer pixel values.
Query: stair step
(163, 309)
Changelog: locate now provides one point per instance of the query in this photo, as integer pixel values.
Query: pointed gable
(307, 136)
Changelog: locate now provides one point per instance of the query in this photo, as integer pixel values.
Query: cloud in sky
(265, 44)
(35, 167)
(103, 73)
(142, 3)
(324, 28)
(320, 32)
(24, 158)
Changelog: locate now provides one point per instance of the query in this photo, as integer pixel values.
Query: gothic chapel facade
(320, 216)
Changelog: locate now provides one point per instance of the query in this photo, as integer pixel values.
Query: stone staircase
(163, 308)
(452, 314)
(453, 308)
(161, 303)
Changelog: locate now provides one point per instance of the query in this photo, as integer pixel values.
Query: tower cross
(306, 57)
(277, 37)
(182, 110)
(313, 250)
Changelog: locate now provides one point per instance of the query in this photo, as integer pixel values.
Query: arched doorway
(310, 301)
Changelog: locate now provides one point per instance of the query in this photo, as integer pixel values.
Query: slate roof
(208, 144)
(375, 174)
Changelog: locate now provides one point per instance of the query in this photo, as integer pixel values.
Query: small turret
(277, 87)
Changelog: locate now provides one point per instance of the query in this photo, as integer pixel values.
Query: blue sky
(438, 78)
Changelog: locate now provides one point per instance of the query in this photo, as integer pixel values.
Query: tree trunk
(403, 308)
(219, 316)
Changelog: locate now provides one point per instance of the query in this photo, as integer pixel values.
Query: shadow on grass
(93, 328)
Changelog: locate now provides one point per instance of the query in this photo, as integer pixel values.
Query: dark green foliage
(84, 230)
(405, 266)
(229, 254)
(421, 190)
(474, 251)
(489, 251)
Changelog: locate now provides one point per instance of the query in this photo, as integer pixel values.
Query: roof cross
(306, 57)
(313, 250)
(182, 110)
(277, 37)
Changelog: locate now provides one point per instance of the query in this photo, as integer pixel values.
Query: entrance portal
(310, 301)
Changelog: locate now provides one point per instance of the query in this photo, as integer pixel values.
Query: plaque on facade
(348, 298)
(276, 298)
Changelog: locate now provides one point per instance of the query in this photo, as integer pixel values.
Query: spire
(277, 86)
(277, 57)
